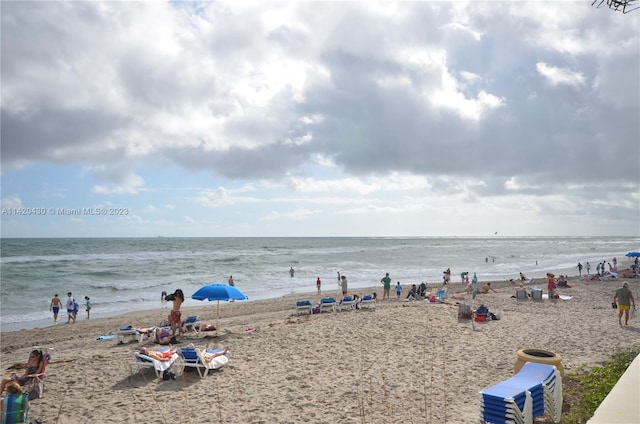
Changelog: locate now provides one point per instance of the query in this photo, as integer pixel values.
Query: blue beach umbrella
(218, 292)
(633, 254)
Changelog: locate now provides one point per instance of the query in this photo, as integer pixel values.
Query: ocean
(129, 274)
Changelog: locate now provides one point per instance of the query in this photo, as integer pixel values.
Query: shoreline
(358, 289)
(402, 361)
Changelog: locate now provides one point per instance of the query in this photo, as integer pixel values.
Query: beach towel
(105, 337)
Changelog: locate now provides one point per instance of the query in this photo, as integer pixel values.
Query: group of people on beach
(72, 307)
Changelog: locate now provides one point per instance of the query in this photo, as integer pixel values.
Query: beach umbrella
(218, 292)
(474, 286)
(633, 254)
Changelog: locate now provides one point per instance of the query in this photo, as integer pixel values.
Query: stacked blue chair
(534, 391)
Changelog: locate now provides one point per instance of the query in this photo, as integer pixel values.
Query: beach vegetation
(586, 388)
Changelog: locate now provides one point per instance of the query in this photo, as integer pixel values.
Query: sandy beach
(400, 362)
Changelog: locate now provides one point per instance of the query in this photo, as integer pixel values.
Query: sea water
(122, 275)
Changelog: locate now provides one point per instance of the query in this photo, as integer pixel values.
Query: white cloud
(560, 76)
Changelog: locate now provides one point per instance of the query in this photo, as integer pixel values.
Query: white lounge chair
(304, 306)
(191, 324)
(131, 333)
(143, 361)
(347, 302)
(328, 303)
(193, 357)
(534, 391)
(368, 300)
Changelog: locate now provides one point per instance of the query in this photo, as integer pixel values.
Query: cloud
(558, 76)
(246, 107)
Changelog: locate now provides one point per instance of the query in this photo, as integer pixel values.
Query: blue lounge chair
(328, 303)
(534, 391)
(347, 302)
(303, 306)
(368, 300)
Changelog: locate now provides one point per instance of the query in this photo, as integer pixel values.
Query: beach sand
(401, 362)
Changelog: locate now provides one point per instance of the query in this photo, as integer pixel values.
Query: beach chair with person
(202, 360)
(15, 405)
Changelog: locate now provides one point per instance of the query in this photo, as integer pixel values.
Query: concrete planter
(539, 356)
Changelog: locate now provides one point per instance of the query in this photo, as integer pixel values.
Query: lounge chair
(368, 300)
(143, 361)
(193, 357)
(534, 391)
(15, 408)
(347, 302)
(303, 306)
(328, 303)
(130, 333)
(440, 295)
(190, 324)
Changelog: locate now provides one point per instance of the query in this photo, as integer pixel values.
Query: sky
(240, 119)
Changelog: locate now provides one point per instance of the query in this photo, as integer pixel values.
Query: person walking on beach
(88, 309)
(318, 284)
(625, 300)
(70, 302)
(386, 286)
(398, 290)
(88, 306)
(579, 269)
(344, 285)
(56, 303)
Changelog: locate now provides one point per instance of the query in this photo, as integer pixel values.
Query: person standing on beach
(551, 285)
(398, 290)
(386, 286)
(625, 300)
(176, 315)
(88, 309)
(580, 269)
(344, 285)
(318, 284)
(587, 266)
(56, 303)
(70, 302)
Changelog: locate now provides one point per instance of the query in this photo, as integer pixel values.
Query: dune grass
(586, 388)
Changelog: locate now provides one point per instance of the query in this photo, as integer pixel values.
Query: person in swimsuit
(163, 337)
(163, 356)
(56, 303)
(176, 315)
(70, 303)
(208, 357)
(35, 365)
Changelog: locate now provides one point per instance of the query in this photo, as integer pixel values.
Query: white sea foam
(122, 275)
